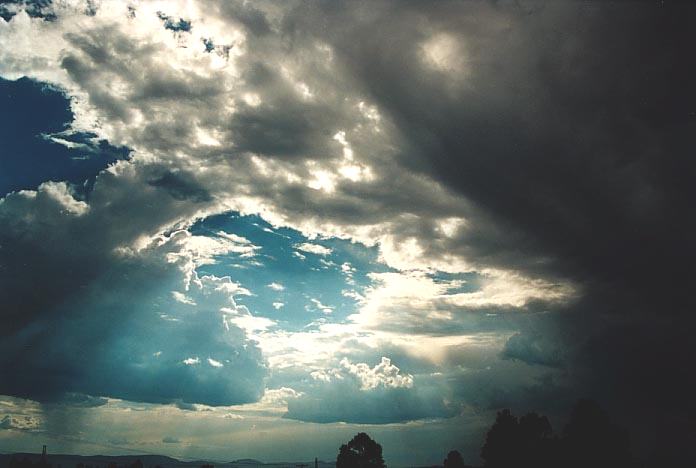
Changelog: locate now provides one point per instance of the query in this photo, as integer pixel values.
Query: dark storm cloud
(140, 346)
(570, 134)
(571, 126)
(181, 186)
(83, 401)
(253, 19)
(533, 349)
(563, 130)
(81, 319)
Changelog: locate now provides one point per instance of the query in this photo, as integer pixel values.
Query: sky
(234, 229)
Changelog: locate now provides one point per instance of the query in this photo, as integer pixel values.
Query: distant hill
(70, 461)
(152, 461)
(148, 461)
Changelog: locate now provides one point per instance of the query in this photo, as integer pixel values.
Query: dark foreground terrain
(137, 461)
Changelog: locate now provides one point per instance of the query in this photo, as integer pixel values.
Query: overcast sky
(252, 229)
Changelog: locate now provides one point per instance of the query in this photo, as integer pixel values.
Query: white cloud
(251, 324)
(445, 53)
(61, 193)
(276, 286)
(322, 307)
(415, 301)
(215, 363)
(299, 255)
(314, 248)
(194, 251)
(273, 401)
(384, 374)
(183, 298)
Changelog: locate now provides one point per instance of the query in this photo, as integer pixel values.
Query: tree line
(589, 440)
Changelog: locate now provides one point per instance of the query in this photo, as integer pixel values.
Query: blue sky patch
(295, 281)
(459, 282)
(173, 25)
(37, 144)
(33, 8)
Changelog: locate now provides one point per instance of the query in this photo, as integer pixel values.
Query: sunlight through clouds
(288, 220)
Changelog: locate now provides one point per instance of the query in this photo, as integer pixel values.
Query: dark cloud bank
(575, 135)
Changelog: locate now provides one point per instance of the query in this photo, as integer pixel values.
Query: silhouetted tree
(502, 447)
(360, 452)
(454, 460)
(538, 448)
(591, 439)
(519, 443)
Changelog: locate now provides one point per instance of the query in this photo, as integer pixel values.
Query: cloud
(452, 148)
(83, 401)
(251, 323)
(534, 349)
(313, 248)
(358, 393)
(133, 356)
(179, 187)
(185, 406)
(183, 298)
(170, 440)
(322, 307)
(23, 423)
(383, 374)
(417, 302)
(273, 402)
(215, 363)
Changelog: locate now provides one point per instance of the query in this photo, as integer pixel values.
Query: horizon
(252, 228)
